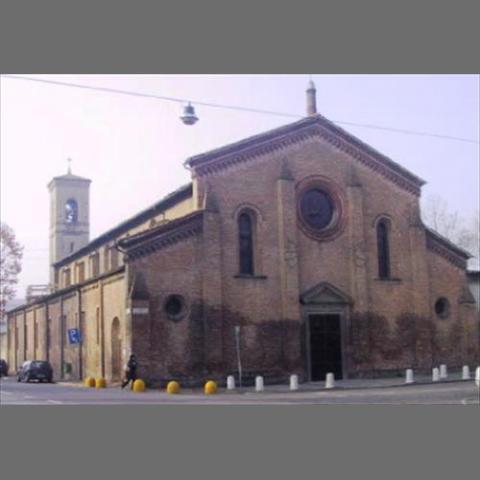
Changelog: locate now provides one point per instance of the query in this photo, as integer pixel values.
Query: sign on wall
(137, 311)
(74, 336)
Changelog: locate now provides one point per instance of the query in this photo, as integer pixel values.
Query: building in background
(474, 284)
(11, 304)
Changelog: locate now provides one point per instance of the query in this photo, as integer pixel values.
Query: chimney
(311, 99)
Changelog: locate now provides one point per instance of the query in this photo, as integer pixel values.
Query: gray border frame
(121, 36)
(271, 442)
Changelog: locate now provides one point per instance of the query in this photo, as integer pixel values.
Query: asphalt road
(459, 393)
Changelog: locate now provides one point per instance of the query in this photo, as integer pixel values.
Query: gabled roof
(162, 236)
(282, 137)
(448, 244)
(466, 296)
(176, 196)
(446, 249)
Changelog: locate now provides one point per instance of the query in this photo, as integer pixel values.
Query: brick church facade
(304, 237)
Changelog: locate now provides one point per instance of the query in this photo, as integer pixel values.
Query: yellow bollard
(90, 382)
(138, 385)
(173, 387)
(100, 383)
(210, 387)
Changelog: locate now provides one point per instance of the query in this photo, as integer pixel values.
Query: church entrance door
(325, 346)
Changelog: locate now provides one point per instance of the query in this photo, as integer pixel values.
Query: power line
(235, 107)
(152, 95)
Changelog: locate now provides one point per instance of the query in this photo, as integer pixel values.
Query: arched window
(245, 243)
(71, 211)
(383, 250)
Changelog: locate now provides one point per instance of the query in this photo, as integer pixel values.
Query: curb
(415, 383)
(81, 384)
(251, 391)
(69, 384)
(343, 388)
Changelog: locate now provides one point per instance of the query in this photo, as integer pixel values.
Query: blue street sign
(74, 336)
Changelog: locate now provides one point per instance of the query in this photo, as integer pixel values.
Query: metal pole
(80, 332)
(239, 361)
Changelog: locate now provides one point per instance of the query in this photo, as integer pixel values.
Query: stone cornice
(304, 130)
(163, 236)
(450, 253)
(66, 292)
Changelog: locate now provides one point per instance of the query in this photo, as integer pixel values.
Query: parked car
(40, 370)
(3, 368)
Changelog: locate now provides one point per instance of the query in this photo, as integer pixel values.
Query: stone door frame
(325, 299)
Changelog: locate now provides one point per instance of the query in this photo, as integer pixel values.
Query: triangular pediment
(325, 293)
(282, 138)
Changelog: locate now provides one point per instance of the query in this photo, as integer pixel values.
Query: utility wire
(235, 107)
(152, 95)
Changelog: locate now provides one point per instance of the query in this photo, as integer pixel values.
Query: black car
(3, 368)
(40, 370)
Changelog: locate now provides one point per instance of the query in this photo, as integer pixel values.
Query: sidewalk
(350, 384)
(365, 383)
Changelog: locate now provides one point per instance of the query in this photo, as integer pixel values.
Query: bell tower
(69, 216)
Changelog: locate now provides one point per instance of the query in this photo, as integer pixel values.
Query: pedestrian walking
(130, 371)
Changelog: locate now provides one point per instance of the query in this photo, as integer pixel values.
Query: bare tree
(463, 232)
(469, 236)
(10, 265)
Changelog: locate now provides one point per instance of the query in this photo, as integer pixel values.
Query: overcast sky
(133, 148)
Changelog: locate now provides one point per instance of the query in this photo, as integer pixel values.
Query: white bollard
(465, 373)
(293, 382)
(259, 384)
(230, 382)
(477, 377)
(443, 371)
(330, 381)
(409, 376)
(435, 375)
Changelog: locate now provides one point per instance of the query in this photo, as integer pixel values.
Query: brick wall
(202, 267)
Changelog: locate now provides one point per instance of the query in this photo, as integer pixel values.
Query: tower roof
(69, 177)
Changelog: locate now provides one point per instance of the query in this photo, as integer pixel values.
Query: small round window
(175, 307)
(442, 307)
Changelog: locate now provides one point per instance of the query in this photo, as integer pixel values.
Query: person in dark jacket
(130, 372)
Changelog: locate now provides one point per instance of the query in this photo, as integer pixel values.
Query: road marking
(55, 402)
